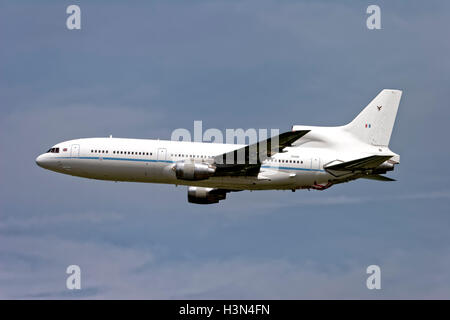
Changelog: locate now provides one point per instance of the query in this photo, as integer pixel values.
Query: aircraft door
(162, 154)
(315, 163)
(75, 151)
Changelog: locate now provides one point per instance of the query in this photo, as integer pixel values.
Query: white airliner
(305, 158)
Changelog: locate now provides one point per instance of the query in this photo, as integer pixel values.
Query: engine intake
(200, 195)
(193, 171)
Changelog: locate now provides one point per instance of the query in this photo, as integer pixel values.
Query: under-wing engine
(193, 171)
(202, 195)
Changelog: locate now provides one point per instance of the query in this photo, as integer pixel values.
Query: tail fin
(374, 124)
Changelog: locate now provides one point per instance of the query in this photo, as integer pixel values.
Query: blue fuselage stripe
(291, 168)
(169, 161)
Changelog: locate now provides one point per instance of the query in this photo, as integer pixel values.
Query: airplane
(307, 157)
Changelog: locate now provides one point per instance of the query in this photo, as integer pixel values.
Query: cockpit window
(53, 150)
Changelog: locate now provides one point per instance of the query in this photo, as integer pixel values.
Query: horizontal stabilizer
(378, 177)
(361, 164)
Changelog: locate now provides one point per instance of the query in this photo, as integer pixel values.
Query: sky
(146, 68)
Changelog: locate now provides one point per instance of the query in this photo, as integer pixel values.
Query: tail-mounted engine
(193, 171)
(201, 195)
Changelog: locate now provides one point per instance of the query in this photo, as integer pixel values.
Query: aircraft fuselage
(140, 160)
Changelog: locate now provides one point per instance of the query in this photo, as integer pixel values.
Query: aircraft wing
(247, 160)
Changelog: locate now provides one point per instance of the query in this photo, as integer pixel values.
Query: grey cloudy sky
(143, 69)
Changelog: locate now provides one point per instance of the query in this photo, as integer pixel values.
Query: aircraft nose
(40, 161)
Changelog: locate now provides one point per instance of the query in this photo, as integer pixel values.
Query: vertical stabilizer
(374, 124)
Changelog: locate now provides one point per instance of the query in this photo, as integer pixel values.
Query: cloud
(100, 263)
(116, 272)
(430, 195)
(64, 218)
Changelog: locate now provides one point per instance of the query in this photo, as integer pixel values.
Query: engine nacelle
(202, 195)
(193, 171)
